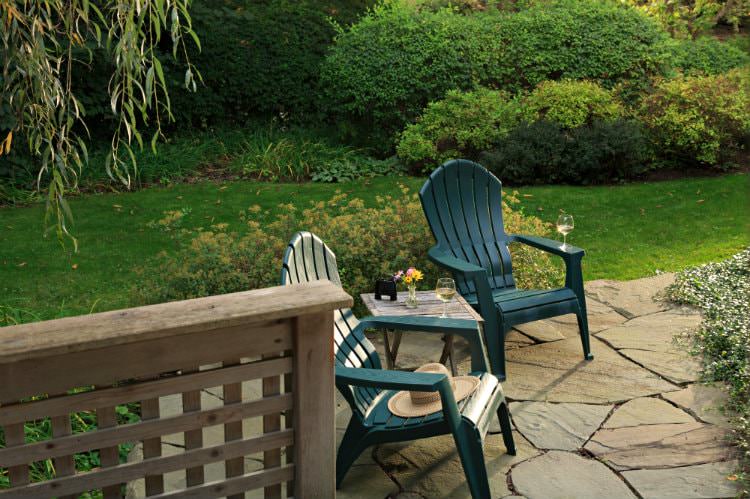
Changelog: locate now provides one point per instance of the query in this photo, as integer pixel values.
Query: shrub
(700, 118)
(421, 55)
(571, 104)
(256, 58)
(545, 152)
(215, 261)
(706, 55)
(461, 125)
(602, 41)
(721, 290)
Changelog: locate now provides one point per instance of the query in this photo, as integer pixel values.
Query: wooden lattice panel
(295, 349)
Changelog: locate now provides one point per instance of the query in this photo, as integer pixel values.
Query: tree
(40, 41)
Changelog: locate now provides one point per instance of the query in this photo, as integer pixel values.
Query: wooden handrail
(277, 338)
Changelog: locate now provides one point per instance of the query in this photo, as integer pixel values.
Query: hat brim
(401, 404)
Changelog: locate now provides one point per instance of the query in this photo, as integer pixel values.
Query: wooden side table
(429, 305)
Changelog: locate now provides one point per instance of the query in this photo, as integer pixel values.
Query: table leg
(391, 351)
(449, 353)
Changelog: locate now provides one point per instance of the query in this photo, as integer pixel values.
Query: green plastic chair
(367, 387)
(462, 203)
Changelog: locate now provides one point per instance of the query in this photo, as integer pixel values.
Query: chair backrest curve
(463, 205)
(308, 258)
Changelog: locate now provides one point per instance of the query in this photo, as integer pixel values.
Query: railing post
(314, 414)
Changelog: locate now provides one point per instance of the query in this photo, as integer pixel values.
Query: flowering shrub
(722, 291)
(368, 241)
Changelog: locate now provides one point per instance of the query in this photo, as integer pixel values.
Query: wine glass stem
(565, 240)
(445, 309)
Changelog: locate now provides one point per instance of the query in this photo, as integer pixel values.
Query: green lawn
(628, 231)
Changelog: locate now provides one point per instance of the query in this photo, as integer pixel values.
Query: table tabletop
(458, 308)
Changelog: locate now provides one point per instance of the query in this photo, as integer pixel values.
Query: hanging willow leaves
(39, 40)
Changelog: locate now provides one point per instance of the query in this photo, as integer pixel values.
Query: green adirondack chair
(462, 203)
(367, 387)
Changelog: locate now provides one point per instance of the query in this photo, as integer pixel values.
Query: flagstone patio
(633, 423)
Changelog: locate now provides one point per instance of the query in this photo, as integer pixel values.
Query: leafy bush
(706, 55)
(721, 290)
(700, 118)
(461, 125)
(604, 41)
(256, 58)
(570, 103)
(215, 261)
(545, 152)
(422, 54)
(686, 18)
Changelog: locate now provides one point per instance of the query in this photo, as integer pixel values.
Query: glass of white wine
(565, 227)
(445, 291)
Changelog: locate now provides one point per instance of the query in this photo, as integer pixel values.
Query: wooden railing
(279, 337)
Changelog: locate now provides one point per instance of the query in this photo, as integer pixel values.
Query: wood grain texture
(429, 305)
(105, 397)
(53, 374)
(234, 486)
(131, 471)
(106, 417)
(89, 332)
(272, 423)
(14, 436)
(191, 402)
(81, 442)
(314, 408)
(152, 447)
(233, 430)
(64, 465)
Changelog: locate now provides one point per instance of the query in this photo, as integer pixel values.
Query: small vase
(411, 300)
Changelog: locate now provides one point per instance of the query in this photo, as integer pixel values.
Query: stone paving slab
(677, 367)
(563, 426)
(653, 332)
(705, 401)
(557, 372)
(646, 411)
(660, 446)
(631, 298)
(431, 466)
(565, 475)
(600, 317)
(704, 481)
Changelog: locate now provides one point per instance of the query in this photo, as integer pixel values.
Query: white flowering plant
(722, 291)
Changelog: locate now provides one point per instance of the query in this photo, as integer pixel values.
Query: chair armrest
(450, 262)
(465, 328)
(402, 380)
(550, 246)
(390, 380)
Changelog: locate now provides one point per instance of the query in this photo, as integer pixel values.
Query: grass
(628, 231)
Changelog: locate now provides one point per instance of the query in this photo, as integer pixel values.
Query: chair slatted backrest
(463, 205)
(308, 258)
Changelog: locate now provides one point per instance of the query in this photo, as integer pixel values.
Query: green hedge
(256, 59)
(420, 55)
(571, 103)
(706, 55)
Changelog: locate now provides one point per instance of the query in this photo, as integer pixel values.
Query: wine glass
(445, 291)
(565, 227)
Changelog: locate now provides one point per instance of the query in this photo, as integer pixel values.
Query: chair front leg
(503, 414)
(352, 445)
(574, 281)
(469, 447)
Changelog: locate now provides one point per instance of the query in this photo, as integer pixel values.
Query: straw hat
(412, 404)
